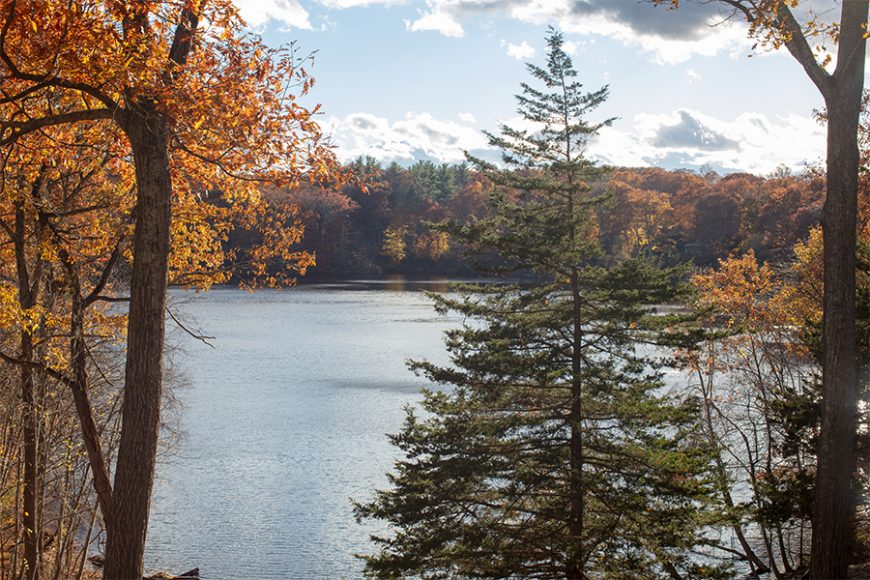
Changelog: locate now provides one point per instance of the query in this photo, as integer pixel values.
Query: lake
(284, 421)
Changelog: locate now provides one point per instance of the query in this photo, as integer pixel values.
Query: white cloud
(416, 136)
(522, 51)
(572, 48)
(342, 4)
(692, 75)
(751, 142)
(436, 19)
(668, 36)
(467, 118)
(257, 13)
(327, 24)
(663, 50)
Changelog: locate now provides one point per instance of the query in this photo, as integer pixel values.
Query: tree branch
(111, 299)
(38, 366)
(21, 128)
(852, 41)
(739, 6)
(800, 49)
(182, 43)
(200, 337)
(217, 163)
(104, 276)
(24, 92)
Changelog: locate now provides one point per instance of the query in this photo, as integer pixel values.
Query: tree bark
(30, 416)
(134, 473)
(834, 500)
(578, 498)
(31, 476)
(79, 386)
(147, 128)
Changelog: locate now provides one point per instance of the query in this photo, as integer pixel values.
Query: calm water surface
(284, 421)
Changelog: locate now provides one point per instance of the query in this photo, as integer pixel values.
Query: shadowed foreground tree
(554, 452)
(201, 108)
(774, 23)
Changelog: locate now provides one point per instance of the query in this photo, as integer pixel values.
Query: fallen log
(189, 575)
(97, 561)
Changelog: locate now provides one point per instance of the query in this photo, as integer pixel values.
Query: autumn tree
(324, 214)
(201, 107)
(633, 219)
(757, 378)
(773, 23)
(395, 247)
(65, 211)
(760, 379)
(64, 216)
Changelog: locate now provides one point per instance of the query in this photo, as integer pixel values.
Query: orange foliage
(232, 108)
(183, 88)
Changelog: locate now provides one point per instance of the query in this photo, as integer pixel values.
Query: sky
(422, 79)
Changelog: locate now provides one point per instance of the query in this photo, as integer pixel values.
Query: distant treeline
(382, 222)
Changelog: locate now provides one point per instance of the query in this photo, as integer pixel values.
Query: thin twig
(200, 337)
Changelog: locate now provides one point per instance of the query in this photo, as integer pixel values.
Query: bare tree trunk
(79, 385)
(29, 518)
(834, 500)
(79, 367)
(30, 417)
(134, 472)
(147, 129)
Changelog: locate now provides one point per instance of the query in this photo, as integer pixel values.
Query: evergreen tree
(554, 451)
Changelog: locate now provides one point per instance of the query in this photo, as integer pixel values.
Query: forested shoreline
(387, 223)
(155, 144)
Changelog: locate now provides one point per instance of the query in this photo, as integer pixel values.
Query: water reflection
(391, 283)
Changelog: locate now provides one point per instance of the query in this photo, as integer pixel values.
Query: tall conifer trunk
(578, 502)
(575, 570)
(578, 506)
